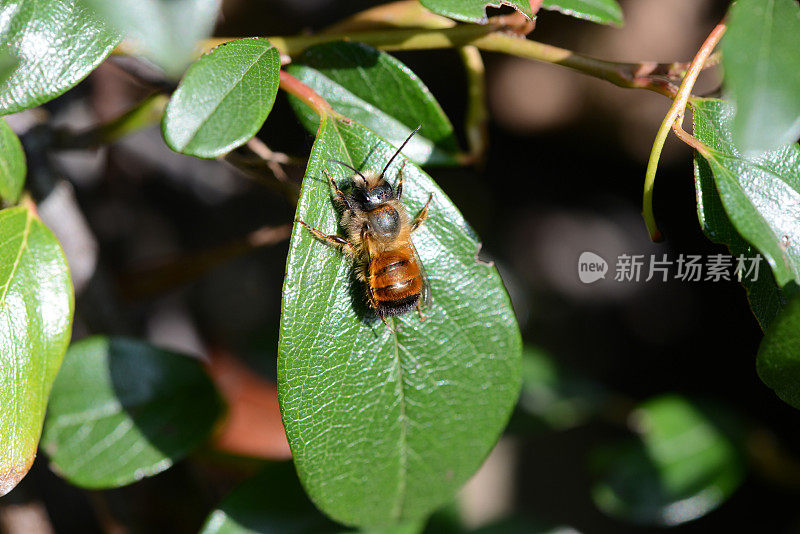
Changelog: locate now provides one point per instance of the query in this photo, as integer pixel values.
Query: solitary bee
(379, 240)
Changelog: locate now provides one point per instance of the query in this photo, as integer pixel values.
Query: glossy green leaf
(271, 502)
(58, 43)
(602, 11)
(473, 10)
(12, 165)
(762, 72)
(765, 296)
(167, 31)
(122, 410)
(224, 99)
(553, 396)
(686, 463)
(381, 93)
(778, 360)
(385, 426)
(760, 195)
(36, 306)
(8, 62)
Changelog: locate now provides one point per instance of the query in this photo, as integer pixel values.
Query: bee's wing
(427, 297)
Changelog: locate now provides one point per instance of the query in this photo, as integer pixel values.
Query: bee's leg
(419, 310)
(383, 318)
(399, 189)
(339, 195)
(330, 240)
(420, 218)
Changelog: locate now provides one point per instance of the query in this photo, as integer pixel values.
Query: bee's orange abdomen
(395, 281)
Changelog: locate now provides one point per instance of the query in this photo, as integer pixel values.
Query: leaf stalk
(674, 120)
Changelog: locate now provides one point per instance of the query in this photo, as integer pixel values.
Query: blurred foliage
(684, 464)
(122, 410)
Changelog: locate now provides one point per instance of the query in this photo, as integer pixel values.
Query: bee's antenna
(348, 166)
(401, 148)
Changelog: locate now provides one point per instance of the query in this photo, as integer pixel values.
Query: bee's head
(372, 190)
(368, 197)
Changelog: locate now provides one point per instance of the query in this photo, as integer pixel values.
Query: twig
(156, 279)
(645, 75)
(477, 117)
(263, 151)
(307, 95)
(274, 161)
(403, 14)
(493, 37)
(255, 160)
(675, 118)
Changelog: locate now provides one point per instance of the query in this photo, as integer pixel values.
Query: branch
(168, 275)
(674, 119)
(307, 95)
(255, 160)
(501, 34)
(477, 116)
(146, 113)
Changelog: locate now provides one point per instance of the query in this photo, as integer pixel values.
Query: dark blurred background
(563, 175)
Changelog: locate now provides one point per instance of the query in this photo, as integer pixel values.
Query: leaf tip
(11, 475)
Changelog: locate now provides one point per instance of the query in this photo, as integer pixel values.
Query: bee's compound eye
(385, 221)
(382, 191)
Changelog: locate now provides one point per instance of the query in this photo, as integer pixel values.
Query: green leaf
(8, 62)
(778, 362)
(12, 165)
(167, 31)
(553, 396)
(762, 72)
(384, 427)
(602, 11)
(686, 463)
(765, 296)
(58, 43)
(381, 93)
(760, 195)
(122, 410)
(36, 305)
(270, 502)
(224, 99)
(473, 10)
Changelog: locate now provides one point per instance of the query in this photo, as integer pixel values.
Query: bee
(379, 240)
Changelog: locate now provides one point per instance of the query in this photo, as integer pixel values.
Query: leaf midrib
(397, 509)
(402, 479)
(22, 247)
